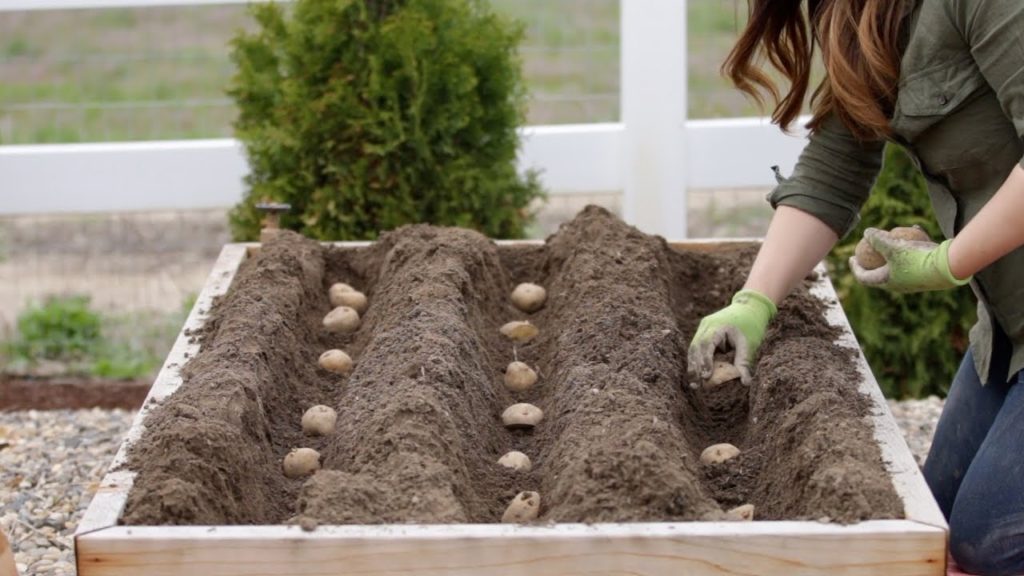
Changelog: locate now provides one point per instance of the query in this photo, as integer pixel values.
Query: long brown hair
(860, 46)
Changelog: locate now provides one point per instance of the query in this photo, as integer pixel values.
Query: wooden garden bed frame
(915, 546)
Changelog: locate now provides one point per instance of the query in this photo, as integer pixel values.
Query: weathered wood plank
(714, 245)
(893, 548)
(697, 244)
(907, 479)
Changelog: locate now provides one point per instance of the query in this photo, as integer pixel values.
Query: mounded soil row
(419, 429)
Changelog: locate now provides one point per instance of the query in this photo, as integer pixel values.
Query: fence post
(653, 93)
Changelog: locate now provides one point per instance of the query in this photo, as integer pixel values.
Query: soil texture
(419, 431)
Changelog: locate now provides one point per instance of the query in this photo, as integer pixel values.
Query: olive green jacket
(960, 115)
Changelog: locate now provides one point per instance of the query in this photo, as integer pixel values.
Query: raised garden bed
(410, 482)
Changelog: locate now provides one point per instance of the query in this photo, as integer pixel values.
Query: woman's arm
(997, 230)
(813, 208)
(795, 243)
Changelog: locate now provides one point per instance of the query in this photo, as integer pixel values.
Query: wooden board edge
(919, 505)
(108, 502)
(699, 244)
(893, 547)
(713, 244)
(564, 530)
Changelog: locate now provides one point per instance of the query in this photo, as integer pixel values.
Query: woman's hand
(741, 326)
(796, 241)
(911, 265)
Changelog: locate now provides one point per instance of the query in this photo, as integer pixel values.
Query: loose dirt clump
(419, 429)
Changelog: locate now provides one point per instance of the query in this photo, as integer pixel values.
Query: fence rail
(652, 155)
(573, 159)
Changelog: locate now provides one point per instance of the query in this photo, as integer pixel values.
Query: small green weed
(62, 328)
(65, 331)
(123, 363)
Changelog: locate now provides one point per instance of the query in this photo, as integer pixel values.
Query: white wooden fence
(653, 155)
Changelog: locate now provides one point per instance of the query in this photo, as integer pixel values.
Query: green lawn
(158, 73)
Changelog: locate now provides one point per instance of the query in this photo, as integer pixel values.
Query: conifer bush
(913, 342)
(365, 115)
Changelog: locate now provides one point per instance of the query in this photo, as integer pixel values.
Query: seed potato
(516, 461)
(525, 507)
(910, 233)
(870, 259)
(529, 297)
(520, 331)
(319, 421)
(723, 372)
(307, 523)
(336, 361)
(301, 462)
(353, 299)
(519, 377)
(338, 288)
(744, 513)
(342, 319)
(719, 453)
(522, 416)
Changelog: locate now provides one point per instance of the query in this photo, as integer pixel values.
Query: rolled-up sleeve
(832, 178)
(994, 31)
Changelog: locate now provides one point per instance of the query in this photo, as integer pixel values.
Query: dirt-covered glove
(911, 265)
(741, 326)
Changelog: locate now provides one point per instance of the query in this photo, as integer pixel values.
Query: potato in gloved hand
(870, 259)
(910, 265)
(740, 327)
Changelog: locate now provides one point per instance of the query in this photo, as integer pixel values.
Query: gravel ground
(917, 419)
(51, 464)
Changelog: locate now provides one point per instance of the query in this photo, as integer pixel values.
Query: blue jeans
(975, 467)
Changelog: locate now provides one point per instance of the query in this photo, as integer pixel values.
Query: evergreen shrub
(365, 115)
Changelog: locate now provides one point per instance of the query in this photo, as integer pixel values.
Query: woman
(945, 79)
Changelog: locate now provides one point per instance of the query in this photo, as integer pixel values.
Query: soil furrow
(421, 405)
(212, 452)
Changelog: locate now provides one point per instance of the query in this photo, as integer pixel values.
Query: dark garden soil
(419, 429)
(70, 393)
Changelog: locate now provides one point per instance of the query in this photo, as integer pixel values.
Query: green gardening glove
(911, 265)
(741, 326)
